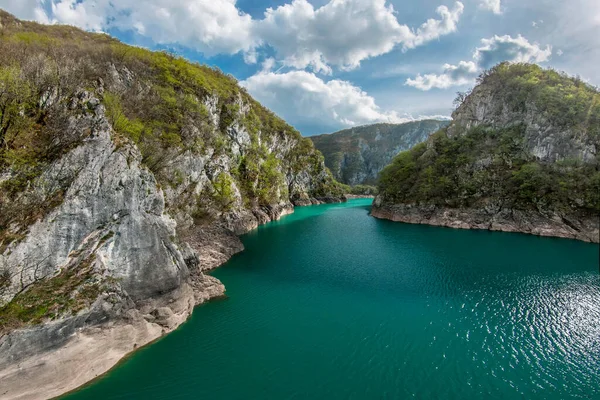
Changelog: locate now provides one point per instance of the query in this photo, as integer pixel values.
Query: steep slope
(521, 154)
(124, 174)
(356, 155)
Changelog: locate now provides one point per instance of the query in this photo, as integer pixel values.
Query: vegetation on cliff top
(486, 163)
(567, 102)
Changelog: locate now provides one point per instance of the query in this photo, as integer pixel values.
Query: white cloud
(492, 51)
(507, 48)
(433, 28)
(492, 5)
(301, 96)
(453, 75)
(251, 56)
(341, 33)
(211, 26)
(72, 13)
(268, 64)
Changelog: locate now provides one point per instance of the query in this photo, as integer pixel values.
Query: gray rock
(546, 141)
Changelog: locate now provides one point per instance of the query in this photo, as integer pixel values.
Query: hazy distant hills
(356, 155)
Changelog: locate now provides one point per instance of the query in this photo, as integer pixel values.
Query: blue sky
(324, 65)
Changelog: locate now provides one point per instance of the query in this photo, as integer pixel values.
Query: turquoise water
(329, 303)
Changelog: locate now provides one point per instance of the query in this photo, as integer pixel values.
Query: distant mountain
(356, 155)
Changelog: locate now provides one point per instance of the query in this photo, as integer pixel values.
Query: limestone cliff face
(112, 209)
(521, 155)
(546, 136)
(125, 175)
(357, 155)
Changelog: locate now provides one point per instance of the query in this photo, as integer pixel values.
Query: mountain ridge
(356, 155)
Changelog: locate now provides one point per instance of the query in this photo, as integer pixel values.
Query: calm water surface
(329, 303)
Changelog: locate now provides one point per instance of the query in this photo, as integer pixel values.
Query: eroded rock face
(113, 199)
(544, 139)
(112, 221)
(138, 229)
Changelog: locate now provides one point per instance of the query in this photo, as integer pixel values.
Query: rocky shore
(584, 228)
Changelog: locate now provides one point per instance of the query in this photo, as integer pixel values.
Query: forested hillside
(525, 140)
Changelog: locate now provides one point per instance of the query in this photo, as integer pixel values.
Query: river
(330, 303)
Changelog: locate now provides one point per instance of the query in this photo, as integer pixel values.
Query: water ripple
(332, 304)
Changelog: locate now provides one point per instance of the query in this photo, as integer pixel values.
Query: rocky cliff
(125, 174)
(520, 155)
(357, 155)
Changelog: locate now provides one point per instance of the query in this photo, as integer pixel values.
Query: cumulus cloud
(301, 96)
(507, 48)
(453, 75)
(72, 13)
(210, 26)
(340, 33)
(492, 5)
(343, 33)
(434, 28)
(491, 52)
